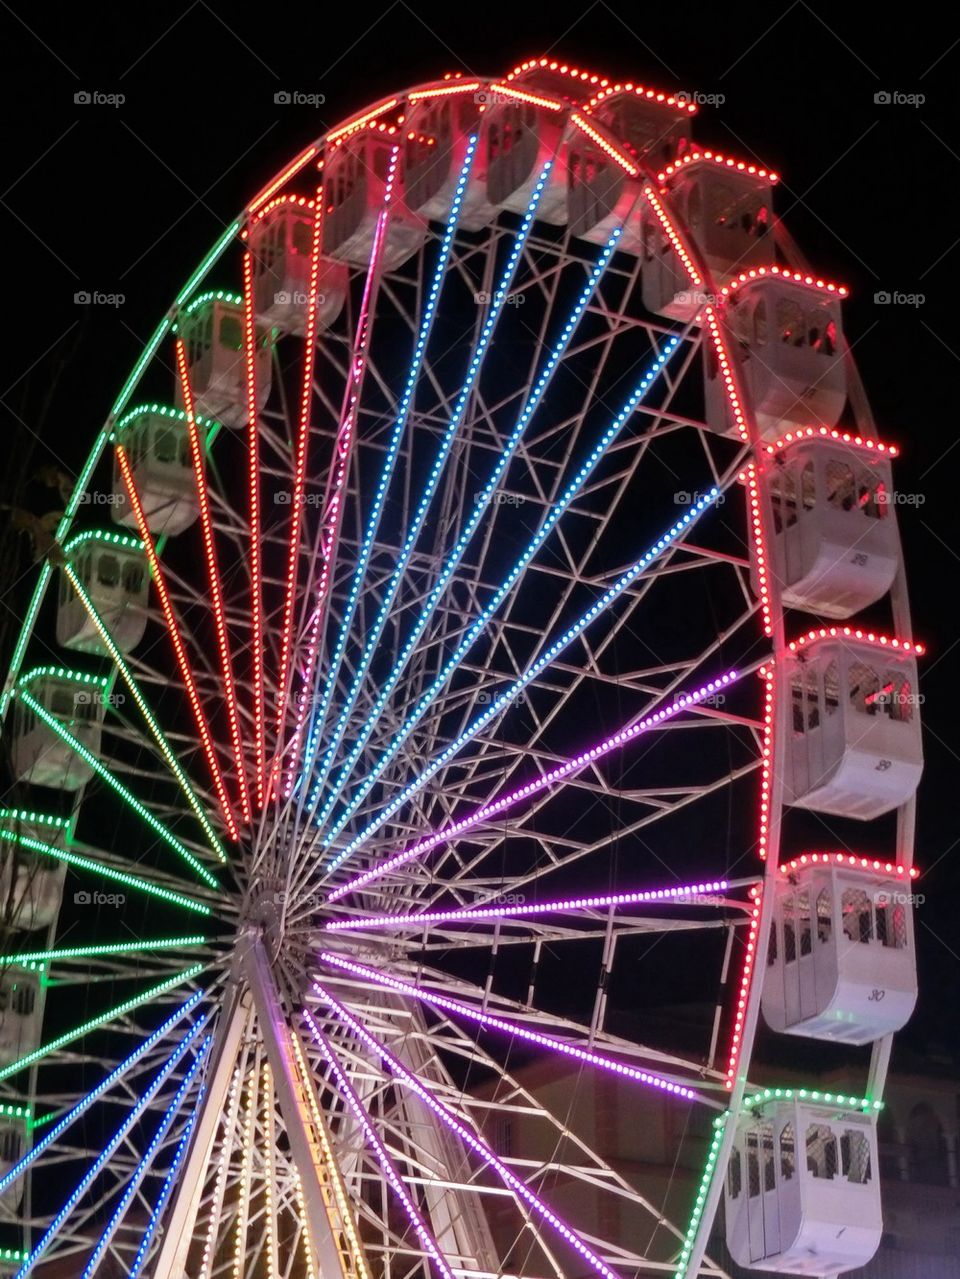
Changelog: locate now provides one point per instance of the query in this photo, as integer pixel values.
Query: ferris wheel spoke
(213, 579)
(111, 780)
(115, 1014)
(494, 808)
(504, 590)
(396, 1182)
(144, 1167)
(133, 1117)
(156, 732)
(331, 511)
(389, 462)
(371, 640)
(176, 640)
(529, 406)
(470, 1139)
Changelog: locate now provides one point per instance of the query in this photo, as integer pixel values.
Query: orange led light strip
(801, 433)
(183, 662)
(361, 120)
(783, 273)
(289, 172)
(256, 584)
(850, 862)
(739, 166)
(535, 99)
(213, 575)
(604, 145)
(469, 86)
(848, 632)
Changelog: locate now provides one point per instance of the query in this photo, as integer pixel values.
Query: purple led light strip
(562, 771)
(564, 906)
(491, 1022)
(470, 1139)
(380, 1150)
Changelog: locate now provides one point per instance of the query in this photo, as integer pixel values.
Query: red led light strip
(352, 125)
(299, 201)
(848, 632)
(256, 585)
(468, 86)
(182, 660)
(213, 574)
(825, 432)
(766, 766)
(739, 166)
(549, 64)
(333, 497)
(290, 171)
(736, 1038)
(604, 145)
(850, 862)
(535, 99)
(783, 273)
(638, 90)
(300, 463)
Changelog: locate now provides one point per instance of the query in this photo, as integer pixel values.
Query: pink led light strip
(256, 585)
(183, 661)
(379, 1149)
(736, 1039)
(490, 1022)
(213, 576)
(470, 1139)
(300, 467)
(562, 771)
(333, 498)
(564, 906)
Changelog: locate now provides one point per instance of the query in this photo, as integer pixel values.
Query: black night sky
(127, 199)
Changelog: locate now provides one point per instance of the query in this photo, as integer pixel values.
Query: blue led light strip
(373, 523)
(165, 1192)
(372, 638)
(556, 648)
(481, 622)
(64, 1123)
(133, 1116)
(141, 1169)
(532, 403)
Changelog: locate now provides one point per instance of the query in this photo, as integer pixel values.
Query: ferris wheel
(487, 569)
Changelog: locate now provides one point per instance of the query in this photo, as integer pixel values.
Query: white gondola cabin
(852, 745)
(21, 1012)
(13, 1146)
(841, 963)
(727, 210)
(39, 755)
(212, 331)
(356, 173)
(802, 1193)
(835, 547)
(602, 196)
(789, 339)
(439, 128)
(654, 127)
(31, 882)
(157, 446)
(520, 138)
(281, 248)
(113, 571)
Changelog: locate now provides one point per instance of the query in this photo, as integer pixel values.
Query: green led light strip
(12, 1254)
(811, 1095)
(140, 700)
(719, 1124)
(61, 672)
(79, 1031)
(34, 819)
(15, 1112)
(46, 1119)
(116, 785)
(213, 295)
(160, 410)
(208, 262)
(101, 535)
(107, 948)
(119, 876)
